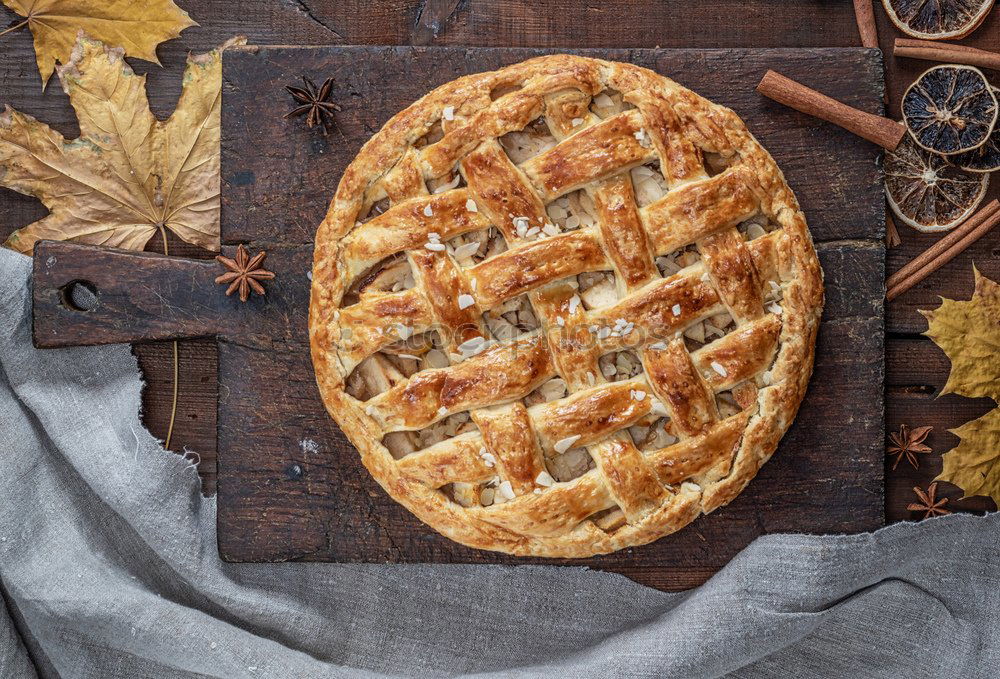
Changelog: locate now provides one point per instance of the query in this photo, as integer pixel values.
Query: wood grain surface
(916, 369)
(290, 485)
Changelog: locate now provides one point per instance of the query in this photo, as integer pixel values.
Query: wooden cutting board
(292, 488)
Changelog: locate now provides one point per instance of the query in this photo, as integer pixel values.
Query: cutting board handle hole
(78, 296)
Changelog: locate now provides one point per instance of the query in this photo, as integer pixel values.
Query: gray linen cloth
(109, 568)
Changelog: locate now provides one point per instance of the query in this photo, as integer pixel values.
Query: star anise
(244, 272)
(908, 442)
(313, 102)
(928, 504)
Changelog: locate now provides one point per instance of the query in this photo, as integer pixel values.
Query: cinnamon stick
(892, 238)
(864, 14)
(882, 131)
(945, 52)
(942, 252)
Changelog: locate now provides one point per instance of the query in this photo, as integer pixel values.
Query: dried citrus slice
(937, 19)
(987, 157)
(950, 109)
(926, 191)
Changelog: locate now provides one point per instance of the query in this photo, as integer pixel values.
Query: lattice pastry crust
(563, 308)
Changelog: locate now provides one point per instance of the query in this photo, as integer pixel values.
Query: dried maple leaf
(137, 27)
(128, 174)
(974, 464)
(969, 333)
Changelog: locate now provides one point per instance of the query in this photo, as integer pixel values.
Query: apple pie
(564, 307)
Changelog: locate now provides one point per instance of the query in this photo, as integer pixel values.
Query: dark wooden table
(916, 369)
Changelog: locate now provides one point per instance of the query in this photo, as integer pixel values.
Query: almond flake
(449, 112)
(577, 122)
(505, 491)
(428, 210)
(409, 356)
(544, 479)
(574, 303)
(471, 206)
(465, 301)
(550, 230)
(676, 309)
(658, 346)
(638, 394)
(717, 367)
(560, 321)
(562, 445)
(435, 247)
(442, 411)
(466, 250)
(487, 457)
(473, 346)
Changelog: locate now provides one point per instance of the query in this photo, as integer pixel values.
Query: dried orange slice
(950, 109)
(987, 157)
(937, 19)
(927, 192)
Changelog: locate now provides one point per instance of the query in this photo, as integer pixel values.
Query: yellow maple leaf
(969, 333)
(128, 174)
(974, 464)
(136, 26)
